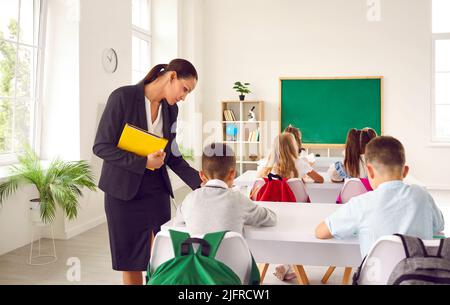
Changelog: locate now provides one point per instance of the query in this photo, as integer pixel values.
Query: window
(20, 54)
(441, 70)
(141, 39)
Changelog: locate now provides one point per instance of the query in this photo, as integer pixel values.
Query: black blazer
(122, 171)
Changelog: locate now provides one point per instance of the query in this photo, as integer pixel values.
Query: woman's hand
(156, 159)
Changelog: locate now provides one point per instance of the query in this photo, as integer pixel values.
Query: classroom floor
(92, 248)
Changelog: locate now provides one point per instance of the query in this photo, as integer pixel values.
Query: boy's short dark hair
(217, 160)
(385, 151)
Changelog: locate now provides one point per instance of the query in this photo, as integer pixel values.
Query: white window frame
(434, 136)
(35, 139)
(143, 34)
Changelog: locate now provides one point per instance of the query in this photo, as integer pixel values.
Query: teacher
(137, 200)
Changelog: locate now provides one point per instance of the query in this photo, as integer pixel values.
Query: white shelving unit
(242, 146)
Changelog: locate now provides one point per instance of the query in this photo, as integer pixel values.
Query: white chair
(352, 187)
(295, 184)
(233, 252)
(384, 255)
(298, 188)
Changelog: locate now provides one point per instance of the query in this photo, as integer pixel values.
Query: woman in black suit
(137, 200)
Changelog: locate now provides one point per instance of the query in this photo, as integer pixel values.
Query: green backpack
(197, 268)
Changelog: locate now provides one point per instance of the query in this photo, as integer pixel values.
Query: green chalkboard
(325, 109)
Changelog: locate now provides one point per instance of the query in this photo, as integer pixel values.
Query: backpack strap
(444, 248)
(214, 239)
(177, 240)
(186, 246)
(358, 272)
(272, 176)
(413, 246)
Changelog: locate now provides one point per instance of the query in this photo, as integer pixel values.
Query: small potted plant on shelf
(58, 184)
(242, 89)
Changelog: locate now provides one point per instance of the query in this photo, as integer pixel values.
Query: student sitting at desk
(354, 162)
(393, 206)
(283, 160)
(301, 151)
(215, 206)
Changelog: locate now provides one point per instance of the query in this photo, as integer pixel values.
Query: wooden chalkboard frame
(325, 145)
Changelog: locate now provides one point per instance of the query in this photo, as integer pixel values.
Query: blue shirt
(394, 207)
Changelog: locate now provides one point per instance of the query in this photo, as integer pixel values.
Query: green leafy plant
(242, 88)
(58, 184)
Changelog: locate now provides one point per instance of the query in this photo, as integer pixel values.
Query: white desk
(322, 164)
(326, 192)
(293, 241)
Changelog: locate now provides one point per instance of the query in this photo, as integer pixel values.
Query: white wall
(261, 40)
(60, 111)
(164, 31)
(190, 47)
(103, 24)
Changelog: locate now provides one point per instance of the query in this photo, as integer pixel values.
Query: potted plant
(59, 184)
(242, 89)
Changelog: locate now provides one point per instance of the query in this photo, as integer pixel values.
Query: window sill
(438, 145)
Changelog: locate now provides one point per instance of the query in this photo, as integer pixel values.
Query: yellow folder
(140, 142)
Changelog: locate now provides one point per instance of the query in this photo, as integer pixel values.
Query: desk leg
(262, 271)
(302, 278)
(328, 274)
(346, 278)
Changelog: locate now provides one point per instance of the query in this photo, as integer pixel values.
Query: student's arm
(256, 215)
(322, 231)
(315, 176)
(438, 219)
(333, 174)
(343, 223)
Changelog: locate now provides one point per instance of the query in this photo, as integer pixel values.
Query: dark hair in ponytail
(182, 67)
(352, 152)
(366, 135)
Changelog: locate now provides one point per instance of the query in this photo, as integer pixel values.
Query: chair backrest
(352, 187)
(295, 184)
(384, 255)
(298, 188)
(259, 182)
(233, 252)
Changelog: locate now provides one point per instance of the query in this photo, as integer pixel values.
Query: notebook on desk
(140, 141)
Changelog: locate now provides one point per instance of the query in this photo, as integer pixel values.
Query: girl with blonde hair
(283, 160)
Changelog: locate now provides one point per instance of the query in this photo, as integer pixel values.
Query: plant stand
(37, 259)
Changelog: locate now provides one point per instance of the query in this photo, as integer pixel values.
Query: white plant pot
(35, 212)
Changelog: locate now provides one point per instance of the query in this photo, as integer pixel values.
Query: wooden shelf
(245, 128)
(241, 142)
(234, 122)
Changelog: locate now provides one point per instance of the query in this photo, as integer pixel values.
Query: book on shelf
(229, 115)
(225, 114)
(253, 136)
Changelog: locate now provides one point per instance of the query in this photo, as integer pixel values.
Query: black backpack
(419, 267)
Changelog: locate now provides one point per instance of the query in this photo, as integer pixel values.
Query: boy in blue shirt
(393, 206)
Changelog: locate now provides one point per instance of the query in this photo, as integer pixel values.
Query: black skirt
(131, 223)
